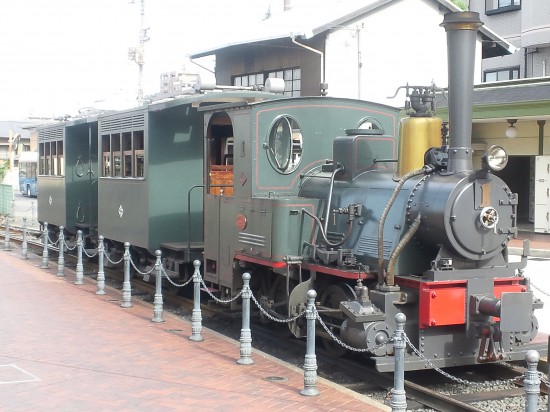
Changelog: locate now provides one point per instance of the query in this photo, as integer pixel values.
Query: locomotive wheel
(331, 299)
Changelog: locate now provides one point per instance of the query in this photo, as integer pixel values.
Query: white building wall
(494, 133)
(390, 56)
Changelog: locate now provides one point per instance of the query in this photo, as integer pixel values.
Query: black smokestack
(461, 28)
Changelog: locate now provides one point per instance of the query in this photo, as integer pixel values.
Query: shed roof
(535, 89)
(293, 23)
(522, 98)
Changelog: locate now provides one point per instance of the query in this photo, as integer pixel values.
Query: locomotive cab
(276, 145)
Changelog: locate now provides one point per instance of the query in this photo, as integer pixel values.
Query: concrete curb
(543, 253)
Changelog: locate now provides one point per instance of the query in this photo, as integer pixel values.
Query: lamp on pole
(136, 53)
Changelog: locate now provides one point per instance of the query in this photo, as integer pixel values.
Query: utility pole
(136, 53)
(10, 151)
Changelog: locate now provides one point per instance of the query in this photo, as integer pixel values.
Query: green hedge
(6, 194)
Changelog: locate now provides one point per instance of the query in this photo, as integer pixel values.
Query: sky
(59, 56)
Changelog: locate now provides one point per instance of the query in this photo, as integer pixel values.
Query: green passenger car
(151, 175)
(67, 175)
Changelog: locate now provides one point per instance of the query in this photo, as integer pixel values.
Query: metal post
(24, 245)
(61, 258)
(531, 381)
(398, 401)
(157, 303)
(246, 336)
(100, 272)
(79, 267)
(126, 287)
(310, 361)
(32, 213)
(196, 317)
(7, 236)
(45, 251)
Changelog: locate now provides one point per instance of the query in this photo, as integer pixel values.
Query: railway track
(426, 390)
(500, 386)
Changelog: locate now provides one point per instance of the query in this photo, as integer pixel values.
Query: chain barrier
(139, 271)
(538, 289)
(269, 316)
(110, 261)
(51, 242)
(215, 298)
(172, 282)
(344, 345)
(90, 256)
(542, 376)
(70, 248)
(451, 377)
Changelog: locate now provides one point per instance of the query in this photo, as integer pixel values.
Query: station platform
(64, 348)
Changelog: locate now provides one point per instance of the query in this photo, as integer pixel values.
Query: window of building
(254, 79)
(501, 6)
(291, 76)
(507, 73)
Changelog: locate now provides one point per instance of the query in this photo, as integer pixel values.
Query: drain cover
(275, 379)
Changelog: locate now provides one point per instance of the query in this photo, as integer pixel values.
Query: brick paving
(63, 348)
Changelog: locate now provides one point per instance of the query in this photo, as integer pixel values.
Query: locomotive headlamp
(496, 158)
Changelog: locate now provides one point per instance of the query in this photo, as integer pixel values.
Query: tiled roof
(15, 127)
(518, 91)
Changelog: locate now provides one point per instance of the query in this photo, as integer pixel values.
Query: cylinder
(416, 136)
(461, 28)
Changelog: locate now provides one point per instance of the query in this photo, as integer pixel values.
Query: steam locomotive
(304, 193)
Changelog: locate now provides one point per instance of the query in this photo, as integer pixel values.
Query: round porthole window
(284, 145)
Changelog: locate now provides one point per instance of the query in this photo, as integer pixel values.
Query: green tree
(4, 166)
(463, 4)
